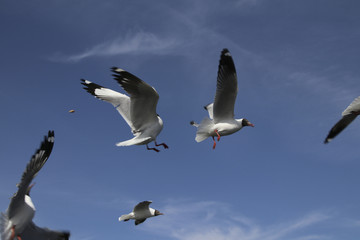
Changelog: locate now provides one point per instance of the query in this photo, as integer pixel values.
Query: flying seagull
(141, 212)
(17, 221)
(138, 110)
(349, 114)
(221, 111)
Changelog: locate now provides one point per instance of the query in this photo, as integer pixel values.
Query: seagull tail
(5, 227)
(134, 141)
(203, 129)
(124, 217)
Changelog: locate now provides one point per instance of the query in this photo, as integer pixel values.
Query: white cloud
(216, 221)
(138, 43)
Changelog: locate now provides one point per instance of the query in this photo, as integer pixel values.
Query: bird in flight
(17, 221)
(221, 121)
(141, 212)
(138, 110)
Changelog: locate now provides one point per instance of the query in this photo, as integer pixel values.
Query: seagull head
(157, 212)
(246, 122)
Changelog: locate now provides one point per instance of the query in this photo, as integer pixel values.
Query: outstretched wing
(120, 101)
(143, 98)
(349, 114)
(138, 221)
(353, 107)
(210, 108)
(226, 88)
(339, 126)
(33, 232)
(142, 206)
(37, 161)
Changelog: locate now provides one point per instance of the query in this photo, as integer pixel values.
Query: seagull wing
(33, 232)
(37, 161)
(226, 88)
(142, 206)
(353, 107)
(209, 108)
(143, 98)
(138, 221)
(349, 114)
(120, 101)
(339, 126)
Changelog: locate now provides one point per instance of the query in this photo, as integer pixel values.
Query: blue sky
(297, 66)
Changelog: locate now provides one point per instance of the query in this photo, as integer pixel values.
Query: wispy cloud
(216, 221)
(137, 43)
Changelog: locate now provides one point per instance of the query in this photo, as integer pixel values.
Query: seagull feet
(156, 150)
(218, 135)
(12, 233)
(161, 144)
(214, 142)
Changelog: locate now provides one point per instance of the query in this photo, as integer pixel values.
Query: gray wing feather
(340, 126)
(138, 221)
(142, 206)
(120, 101)
(143, 97)
(37, 161)
(226, 89)
(33, 232)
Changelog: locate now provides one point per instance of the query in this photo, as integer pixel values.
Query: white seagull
(17, 221)
(221, 112)
(141, 212)
(138, 110)
(349, 114)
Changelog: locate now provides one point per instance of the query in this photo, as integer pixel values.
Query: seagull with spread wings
(17, 221)
(138, 110)
(349, 114)
(141, 212)
(221, 111)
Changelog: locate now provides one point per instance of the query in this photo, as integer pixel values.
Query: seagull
(138, 110)
(17, 221)
(349, 114)
(141, 212)
(221, 120)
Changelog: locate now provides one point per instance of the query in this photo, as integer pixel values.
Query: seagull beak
(251, 125)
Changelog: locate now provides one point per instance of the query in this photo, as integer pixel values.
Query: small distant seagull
(71, 111)
(349, 114)
(141, 212)
(138, 110)
(221, 112)
(17, 221)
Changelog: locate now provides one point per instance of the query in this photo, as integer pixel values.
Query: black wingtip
(224, 51)
(192, 122)
(48, 142)
(65, 235)
(226, 60)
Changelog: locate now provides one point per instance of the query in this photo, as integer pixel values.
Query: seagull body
(138, 110)
(141, 212)
(221, 121)
(17, 221)
(349, 115)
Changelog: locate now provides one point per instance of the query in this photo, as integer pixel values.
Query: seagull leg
(217, 133)
(156, 150)
(18, 237)
(161, 144)
(214, 142)
(12, 233)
